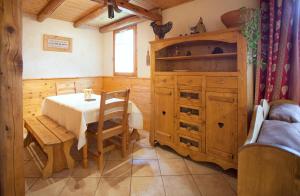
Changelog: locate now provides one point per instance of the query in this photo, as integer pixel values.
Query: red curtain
(274, 58)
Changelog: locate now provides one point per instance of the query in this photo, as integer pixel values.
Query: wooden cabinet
(200, 101)
(164, 114)
(221, 124)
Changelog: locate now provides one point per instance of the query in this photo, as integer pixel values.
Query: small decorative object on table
(199, 28)
(161, 30)
(217, 50)
(87, 94)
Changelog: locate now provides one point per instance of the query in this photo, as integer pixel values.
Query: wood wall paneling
(35, 90)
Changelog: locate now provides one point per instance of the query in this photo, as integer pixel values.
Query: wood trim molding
(124, 22)
(51, 6)
(90, 15)
(11, 118)
(134, 74)
(35, 90)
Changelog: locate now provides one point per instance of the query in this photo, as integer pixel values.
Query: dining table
(74, 112)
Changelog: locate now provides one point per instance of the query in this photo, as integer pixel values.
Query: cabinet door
(221, 124)
(164, 114)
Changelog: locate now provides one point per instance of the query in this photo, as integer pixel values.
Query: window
(125, 51)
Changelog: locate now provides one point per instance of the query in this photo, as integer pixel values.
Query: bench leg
(67, 148)
(48, 169)
(85, 156)
(28, 140)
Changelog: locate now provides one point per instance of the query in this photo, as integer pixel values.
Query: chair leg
(124, 144)
(85, 156)
(101, 162)
(101, 156)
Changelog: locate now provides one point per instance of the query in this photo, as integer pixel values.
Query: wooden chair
(112, 125)
(63, 88)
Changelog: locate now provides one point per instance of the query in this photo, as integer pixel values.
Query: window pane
(124, 51)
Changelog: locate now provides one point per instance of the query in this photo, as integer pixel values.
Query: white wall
(93, 52)
(187, 15)
(183, 17)
(85, 60)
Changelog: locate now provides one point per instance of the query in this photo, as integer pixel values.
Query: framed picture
(57, 43)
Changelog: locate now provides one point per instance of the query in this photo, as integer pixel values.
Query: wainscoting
(35, 90)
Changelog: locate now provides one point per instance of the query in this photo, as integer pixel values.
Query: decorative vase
(87, 93)
(233, 19)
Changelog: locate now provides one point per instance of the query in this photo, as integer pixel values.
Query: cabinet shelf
(175, 58)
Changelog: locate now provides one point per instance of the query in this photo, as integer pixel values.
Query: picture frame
(57, 43)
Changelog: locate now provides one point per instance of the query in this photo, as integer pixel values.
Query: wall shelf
(206, 56)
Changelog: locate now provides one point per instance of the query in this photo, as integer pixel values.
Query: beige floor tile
(166, 153)
(202, 167)
(63, 174)
(116, 155)
(143, 153)
(213, 185)
(232, 180)
(114, 187)
(45, 187)
(173, 167)
(180, 186)
(91, 171)
(144, 139)
(145, 168)
(29, 182)
(117, 169)
(80, 187)
(147, 186)
(31, 169)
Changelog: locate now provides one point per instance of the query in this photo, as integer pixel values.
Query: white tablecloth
(74, 113)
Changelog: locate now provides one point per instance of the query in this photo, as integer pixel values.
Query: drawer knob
(163, 112)
(221, 125)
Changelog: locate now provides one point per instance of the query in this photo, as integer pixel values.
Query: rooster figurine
(161, 30)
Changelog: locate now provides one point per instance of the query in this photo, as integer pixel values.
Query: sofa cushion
(285, 112)
(280, 133)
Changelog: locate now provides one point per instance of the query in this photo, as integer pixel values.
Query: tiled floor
(147, 171)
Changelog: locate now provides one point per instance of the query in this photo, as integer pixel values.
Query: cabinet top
(226, 35)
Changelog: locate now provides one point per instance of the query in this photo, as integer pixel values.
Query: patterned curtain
(275, 50)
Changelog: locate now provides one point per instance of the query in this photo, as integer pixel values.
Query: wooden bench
(54, 140)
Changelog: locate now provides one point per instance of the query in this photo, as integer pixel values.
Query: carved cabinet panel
(221, 124)
(164, 114)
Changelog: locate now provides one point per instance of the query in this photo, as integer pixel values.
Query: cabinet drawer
(164, 81)
(189, 128)
(221, 82)
(190, 81)
(189, 97)
(190, 143)
(190, 113)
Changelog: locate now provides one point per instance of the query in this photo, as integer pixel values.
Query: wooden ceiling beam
(123, 22)
(90, 15)
(51, 6)
(136, 10)
(139, 11)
